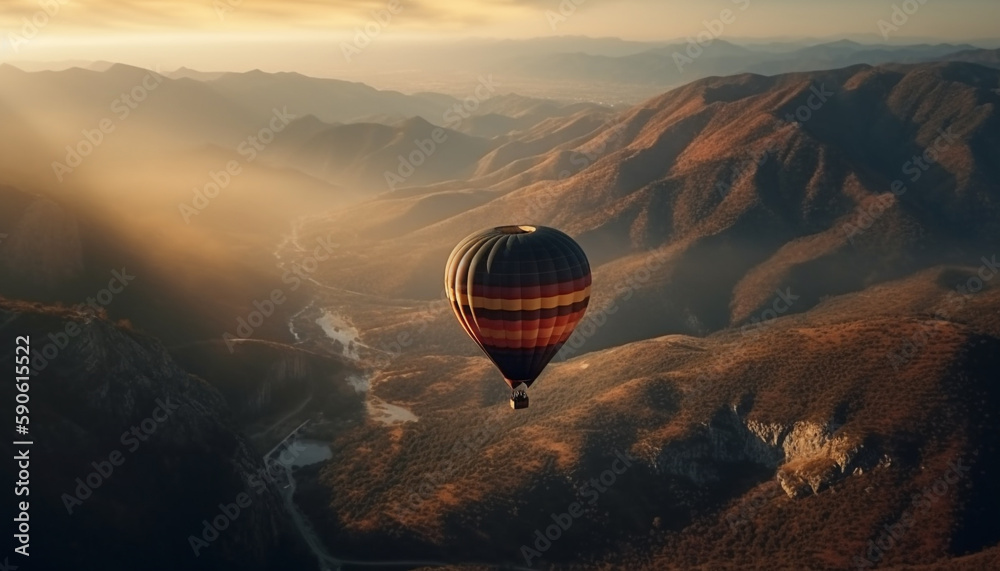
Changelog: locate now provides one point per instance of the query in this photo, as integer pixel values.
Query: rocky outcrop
(806, 456)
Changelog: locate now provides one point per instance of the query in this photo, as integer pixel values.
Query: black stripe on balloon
(527, 315)
(529, 260)
(515, 364)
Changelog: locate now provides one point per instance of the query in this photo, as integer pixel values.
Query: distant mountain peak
(844, 43)
(415, 125)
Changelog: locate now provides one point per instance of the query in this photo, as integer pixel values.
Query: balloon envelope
(519, 292)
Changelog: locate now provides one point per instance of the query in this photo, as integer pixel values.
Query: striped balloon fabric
(519, 292)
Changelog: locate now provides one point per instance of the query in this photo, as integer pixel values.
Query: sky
(237, 31)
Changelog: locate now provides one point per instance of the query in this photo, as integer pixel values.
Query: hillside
(724, 458)
(109, 390)
(703, 203)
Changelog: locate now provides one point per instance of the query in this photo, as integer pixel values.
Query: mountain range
(790, 353)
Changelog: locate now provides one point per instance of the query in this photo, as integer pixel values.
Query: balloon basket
(518, 400)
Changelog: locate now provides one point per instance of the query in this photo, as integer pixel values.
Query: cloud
(331, 19)
(243, 15)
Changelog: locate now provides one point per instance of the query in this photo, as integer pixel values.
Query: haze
(304, 36)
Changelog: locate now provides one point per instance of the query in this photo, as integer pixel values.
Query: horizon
(54, 63)
(366, 36)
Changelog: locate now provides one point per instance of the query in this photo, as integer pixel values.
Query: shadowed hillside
(113, 395)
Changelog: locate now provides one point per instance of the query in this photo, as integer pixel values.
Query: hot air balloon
(519, 292)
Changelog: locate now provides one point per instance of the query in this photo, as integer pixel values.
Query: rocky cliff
(807, 457)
